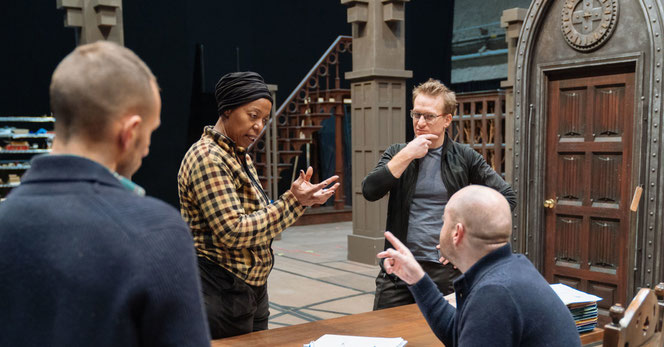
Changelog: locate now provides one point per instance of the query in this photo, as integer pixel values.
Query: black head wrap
(238, 88)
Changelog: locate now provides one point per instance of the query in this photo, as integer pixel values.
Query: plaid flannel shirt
(230, 216)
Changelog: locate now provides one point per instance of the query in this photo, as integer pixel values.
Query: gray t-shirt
(426, 210)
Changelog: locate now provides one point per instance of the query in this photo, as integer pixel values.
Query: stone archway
(566, 40)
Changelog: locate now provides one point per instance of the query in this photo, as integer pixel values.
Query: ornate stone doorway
(587, 134)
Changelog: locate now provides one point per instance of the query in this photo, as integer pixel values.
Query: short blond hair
(435, 88)
(95, 83)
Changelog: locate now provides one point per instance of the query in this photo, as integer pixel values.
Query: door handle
(549, 203)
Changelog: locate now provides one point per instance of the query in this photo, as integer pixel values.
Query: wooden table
(592, 338)
(405, 321)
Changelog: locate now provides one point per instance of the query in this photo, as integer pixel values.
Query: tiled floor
(312, 279)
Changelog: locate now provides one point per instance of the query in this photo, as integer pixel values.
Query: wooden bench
(640, 325)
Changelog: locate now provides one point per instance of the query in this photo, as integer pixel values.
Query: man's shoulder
(111, 216)
(155, 204)
(516, 286)
(144, 204)
(395, 147)
(152, 215)
(140, 213)
(511, 268)
(151, 226)
(509, 274)
(517, 277)
(461, 148)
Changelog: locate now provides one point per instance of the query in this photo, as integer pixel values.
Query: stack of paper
(329, 340)
(583, 306)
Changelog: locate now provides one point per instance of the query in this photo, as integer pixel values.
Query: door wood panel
(588, 159)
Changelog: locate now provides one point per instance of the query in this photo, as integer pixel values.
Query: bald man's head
(485, 214)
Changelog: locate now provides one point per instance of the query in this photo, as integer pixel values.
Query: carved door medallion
(588, 165)
(587, 24)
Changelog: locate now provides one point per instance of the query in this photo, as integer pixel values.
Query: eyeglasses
(429, 118)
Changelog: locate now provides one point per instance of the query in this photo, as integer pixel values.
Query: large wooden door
(588, 160)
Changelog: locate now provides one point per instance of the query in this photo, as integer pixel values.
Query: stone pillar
(378, 90)
(339, 197)
(97, 19)
(511, 20)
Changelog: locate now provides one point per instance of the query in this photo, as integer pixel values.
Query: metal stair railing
(300, 114)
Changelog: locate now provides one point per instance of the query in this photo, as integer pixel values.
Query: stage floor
(312, 280)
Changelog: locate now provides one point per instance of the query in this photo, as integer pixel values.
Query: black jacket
(460, 165)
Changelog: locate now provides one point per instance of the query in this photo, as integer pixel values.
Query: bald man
(501, 298)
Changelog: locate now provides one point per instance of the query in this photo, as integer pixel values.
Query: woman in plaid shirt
(230, 216)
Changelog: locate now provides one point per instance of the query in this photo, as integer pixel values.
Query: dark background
(279, 39)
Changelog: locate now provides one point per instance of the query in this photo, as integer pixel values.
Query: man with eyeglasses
(421, 176)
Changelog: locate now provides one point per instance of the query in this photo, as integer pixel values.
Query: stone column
(378, 91)
(97, 19)
(511, 20)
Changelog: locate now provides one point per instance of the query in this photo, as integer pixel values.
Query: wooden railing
(480, 123)
(318, 96)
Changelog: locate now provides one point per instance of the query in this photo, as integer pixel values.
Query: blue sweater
(501, 301)
(85, 262)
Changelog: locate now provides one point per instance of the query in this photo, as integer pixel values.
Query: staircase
(317, 97)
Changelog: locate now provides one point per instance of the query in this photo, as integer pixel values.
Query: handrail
(299, 87)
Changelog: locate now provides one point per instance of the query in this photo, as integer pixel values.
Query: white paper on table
(451, 299)
(570, 295)
(329, 340)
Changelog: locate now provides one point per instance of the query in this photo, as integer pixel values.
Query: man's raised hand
(419, 147)
(400, 261)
